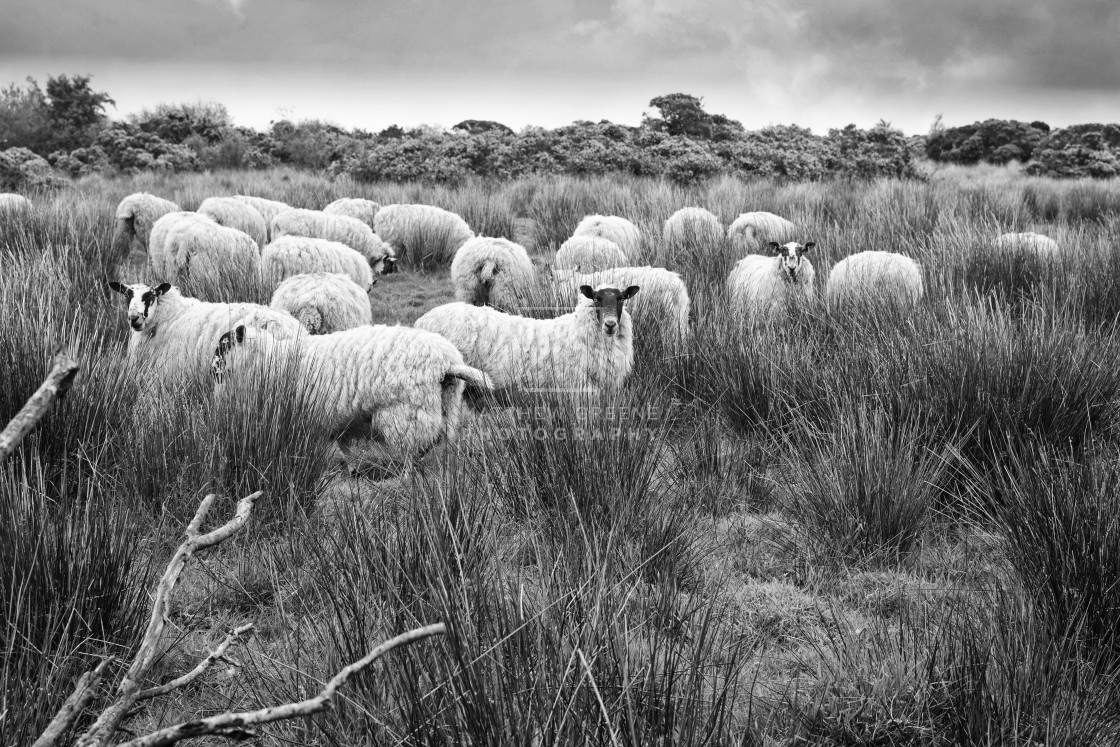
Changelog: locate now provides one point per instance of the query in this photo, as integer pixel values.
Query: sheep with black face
(589, 348)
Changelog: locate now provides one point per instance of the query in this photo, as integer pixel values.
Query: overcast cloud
(817, 63)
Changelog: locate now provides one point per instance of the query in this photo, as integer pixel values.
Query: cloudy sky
(372, 63)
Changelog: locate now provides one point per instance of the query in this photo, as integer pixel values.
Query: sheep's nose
(610, 325)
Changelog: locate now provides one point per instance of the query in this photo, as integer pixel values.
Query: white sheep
(1040, 245)
(693, 225)
(752, 231)
(874, 276)
(136, 214)
(177, 334)
(402, 385)
(341, 228)
(661, 309)
(187, 245)
(591, 348)
(491, 271)
(10, 202)
(422, 233)
(619, 230)
(234, 213)
(324, 302)
(267, 208)
(764, 288)
(355, 207)
(589, 254)
(286, 256)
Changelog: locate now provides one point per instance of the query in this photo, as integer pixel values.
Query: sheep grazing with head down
(324, 302)
(234, 213)
(589, 254)
(614, 228)
(491, 272)
(659, 312)
(355, 207)
(764, 289)
(691, 226)
(1041, 246)
(286, 256)
(136, 215)
(422, 234)
(591, 348)
(176, 334)
(873, 277)
(401, 385)
(268, 209)
(189, 246)
(10, 202)
(316, 224)
(752, 231)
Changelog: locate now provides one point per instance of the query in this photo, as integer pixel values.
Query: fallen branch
(129, 690)
(83, 693)
(236, 723)
(58, 381)
(194, 674)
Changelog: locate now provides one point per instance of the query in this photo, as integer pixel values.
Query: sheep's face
(226, 343)
(608, 305)
(386, 265)
(141, 299)
(790, 255)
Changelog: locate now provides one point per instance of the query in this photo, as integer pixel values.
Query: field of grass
(861, 528)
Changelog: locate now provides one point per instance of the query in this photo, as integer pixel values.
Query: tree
(681, 114)
(24, 118)
(76, 111)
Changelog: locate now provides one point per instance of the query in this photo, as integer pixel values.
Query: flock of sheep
(404, 385)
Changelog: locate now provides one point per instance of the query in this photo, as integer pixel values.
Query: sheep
(269, 209)
(10, 202)
(136, 215)
(763, 288)
(355, 207)
(1042, 246)
(882, 277)
(286, 256)
(189, 245)
(693, 225)
(590, 348)
(400, 384)
(323, 302)
(589, 254)
(751, 231)
(663, 305)
(491, 271)
(422, 233)
(177, 334)
(619, 230)
(234, 213)
(341, 228)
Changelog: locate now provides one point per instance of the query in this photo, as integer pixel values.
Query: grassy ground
(859, 528)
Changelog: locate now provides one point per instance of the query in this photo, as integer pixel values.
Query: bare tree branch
(235, 723)
(129, 690)
(194, 674)
(83, 693)
(58, 381)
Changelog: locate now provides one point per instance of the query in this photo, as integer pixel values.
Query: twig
(58, 381)
(74, 705)
(236, 722)
(129, 689)
(194, 674)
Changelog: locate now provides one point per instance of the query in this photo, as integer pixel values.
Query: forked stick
(61, 376)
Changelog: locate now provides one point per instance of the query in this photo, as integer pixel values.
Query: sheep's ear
(239, 333)
(587, 291)
(161, 289)
(808, 246)
(775, 247)
(629, 292)
(118, 287)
